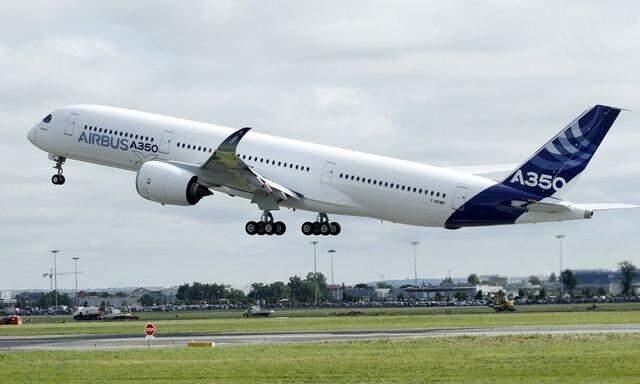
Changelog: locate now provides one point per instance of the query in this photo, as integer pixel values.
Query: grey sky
(446, 83)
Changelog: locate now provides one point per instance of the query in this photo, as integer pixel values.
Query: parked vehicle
(88, 313)
(256, 311)
(12, 320)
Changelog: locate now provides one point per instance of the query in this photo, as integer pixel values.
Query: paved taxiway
(85, 342)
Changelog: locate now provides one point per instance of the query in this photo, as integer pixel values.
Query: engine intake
(167, 184)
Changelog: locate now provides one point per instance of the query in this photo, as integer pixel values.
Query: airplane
(178, 162)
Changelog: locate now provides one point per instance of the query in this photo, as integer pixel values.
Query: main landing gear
(322, 226)
(266, 226)
(58, 179)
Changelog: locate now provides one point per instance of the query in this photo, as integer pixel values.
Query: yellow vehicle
(502, 304)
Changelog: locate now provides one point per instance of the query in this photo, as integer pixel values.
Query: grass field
(330, 323)
(509, 359)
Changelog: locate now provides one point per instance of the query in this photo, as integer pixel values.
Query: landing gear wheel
(316, 228)
(307, 228)
(281, 228)
(260, 228)
(55, 179)
(325, 229)
(251, 228)
(335, 228)
(269, 228)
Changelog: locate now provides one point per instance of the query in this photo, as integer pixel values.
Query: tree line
(296, 289)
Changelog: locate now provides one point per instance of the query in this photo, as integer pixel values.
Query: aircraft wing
(491, 171)
(236, 174)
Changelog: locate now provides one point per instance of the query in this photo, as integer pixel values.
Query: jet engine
(167, 184)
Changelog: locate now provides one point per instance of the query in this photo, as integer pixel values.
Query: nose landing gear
(266, 226)
(322, 226)
(58, 179)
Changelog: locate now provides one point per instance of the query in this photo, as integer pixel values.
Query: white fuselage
(332, 180)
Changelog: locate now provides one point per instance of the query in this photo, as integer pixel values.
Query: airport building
(450, 292)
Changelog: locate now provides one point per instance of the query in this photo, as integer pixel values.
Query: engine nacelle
(167, 184)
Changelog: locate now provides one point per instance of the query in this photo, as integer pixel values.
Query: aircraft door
(460, 198)
(327, 172)
(71, 122)
(165, 142)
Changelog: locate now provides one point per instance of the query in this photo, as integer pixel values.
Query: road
(88, 342)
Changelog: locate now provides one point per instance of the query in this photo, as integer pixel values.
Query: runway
(109, 342)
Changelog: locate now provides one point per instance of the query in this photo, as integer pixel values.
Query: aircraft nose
(31, 135)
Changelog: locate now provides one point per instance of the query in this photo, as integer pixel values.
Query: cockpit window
(47, 119)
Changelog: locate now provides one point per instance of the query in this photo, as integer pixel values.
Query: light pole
(315, 273)
(75, 260)
(332, 251)
(55, 275)
(560, 237)
(415, 262)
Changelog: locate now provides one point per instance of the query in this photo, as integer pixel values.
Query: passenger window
(414, 189)
(444, 195)
(431, 193)
(341, 175)
(438, 194)
(307, 169)
(369, 181)
(296, 167)
(358, 178)
(386, 184)
(352, 177)
(290, 165)
(279, 163)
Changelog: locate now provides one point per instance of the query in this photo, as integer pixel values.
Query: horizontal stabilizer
(606, 206)
(492, 171)
(540, 207)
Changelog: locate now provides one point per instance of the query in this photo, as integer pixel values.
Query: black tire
(269, 228)
(55, 179)
(307, 228)
(325, 229)
(62, 179)
(260, 228)
(335, 228)
(316, 228)
(281, 228)
(251, 228)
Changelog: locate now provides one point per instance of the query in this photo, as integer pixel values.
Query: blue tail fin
(550, 170)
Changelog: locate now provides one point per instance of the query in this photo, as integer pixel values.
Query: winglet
(231, 143)
(226, 151)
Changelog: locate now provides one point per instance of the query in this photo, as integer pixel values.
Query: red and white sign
(150, 330)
